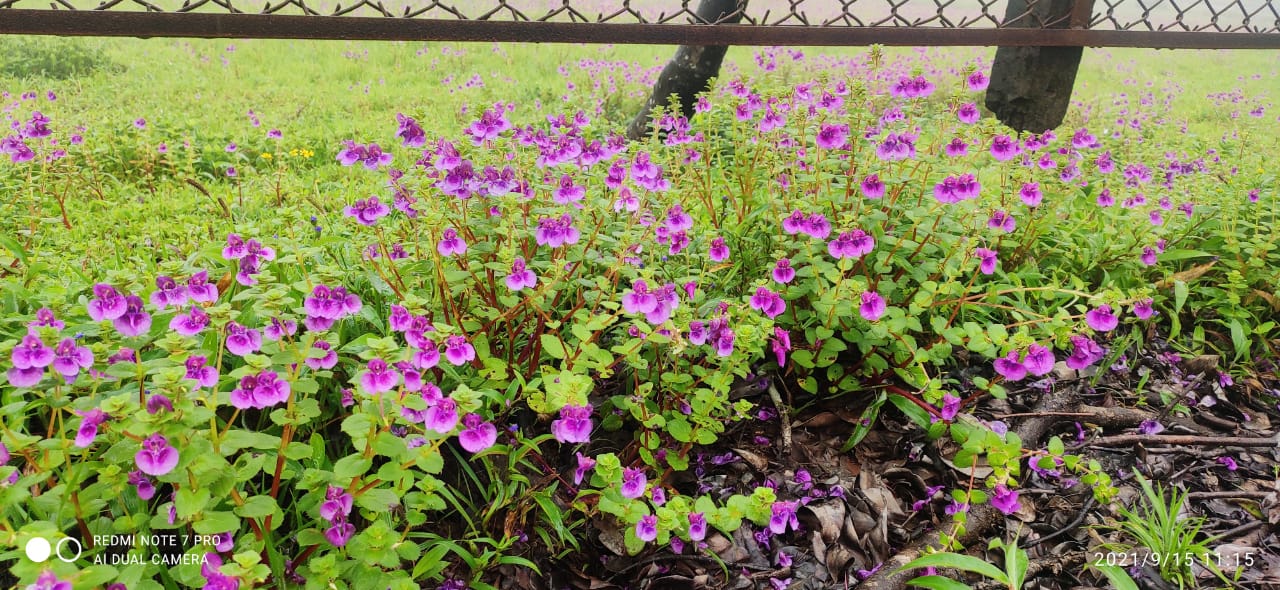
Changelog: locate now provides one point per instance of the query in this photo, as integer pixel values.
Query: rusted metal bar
(265, 26)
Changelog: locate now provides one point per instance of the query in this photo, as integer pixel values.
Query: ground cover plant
(445, 327)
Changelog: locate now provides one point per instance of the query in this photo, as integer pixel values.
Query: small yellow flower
(293, 152)
(266, 155)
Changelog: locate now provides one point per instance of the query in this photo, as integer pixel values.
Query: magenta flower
(1039, 360)
(27, 377)
(794, 223)
(107, 304)
(1101, 319)
(399, 320)
(1004, 148)
(781, 345)
(328, 361)
(477, 435)
(988, 260)
(89, 424)
(678, 220)
(142, 484)
(784, 516)
(1229, 463)
(873, 306)
(1143, 309)
(379, 377)
(647, 528)
(851, 244)
(521, 276)
(872, 187)
(719, 251)
(168, 292)
(458, 351)
(585, 464)
(950, 406)
(191, 323)
(45, 317)
(1005, 500)
(574, 425)
(832, 137)
(633, 483)
(409, 132)
(1031, 194)
(1009, 367)
(157, 457)
(767, 302)
(1086, 352)
(199, 288)
(340, 533)
(367, 211)
(31, 353)
(157, 402)
(1148, 257)
(279, 329)
(978, 81)
(241, 340)
(568, 192)
(968, 113)
(260, 391)
(450, 244)
(782, 271)
(639, 300)
(442, 415)
(956, 148)
(817, 226)
(697, 526)
(68, 358)
(1003, 221)
(336, 505)
(48, 580)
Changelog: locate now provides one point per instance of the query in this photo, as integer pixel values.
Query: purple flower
(817, 226)
(978, 81)
(1148, 257)
(832, 137)
(697, 526)
(399, 320)
(574, 425)
(873, 306)
(409, 131)
(1004, 148)
(45, 317)
(157, 457)
(242, 341)
(851, 244)
(767, 302)
(1003, 221)
(988, 260)
(260, 391)
(1009, 367)
(327, 361)
(1228, 462)
(781, 345)
(31, 353)
(157, 402)
(521, 276)
(142, 484)
(872, 187)
(1039, 360)
(336, 505)
(89, 424)
(458, 351)
(168, 292)
(477, 435)
(1086, 353)
(279, 329)
(647, 528)
(568, 192)
(450, 244)
(379, 377)
(633, 483)
(1149, 427)
(1005, 500)
(199, 288)
(28, 377)
(782, 271)
(784, 515)
(639, 300)
(958, 147)
(1101, 319)
(950, 406)
(367, 211)
(719, 251)
(48, 580)
(1031, 194)
(968, 113)
(1143, 309)
(585, 464)
(107, 303)
(441, 416)
(68, 358)
(140, 123)
(340, 533)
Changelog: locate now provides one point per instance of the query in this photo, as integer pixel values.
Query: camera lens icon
(38, 549)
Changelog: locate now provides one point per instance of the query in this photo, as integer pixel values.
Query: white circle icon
(38, 549)
(79, 550)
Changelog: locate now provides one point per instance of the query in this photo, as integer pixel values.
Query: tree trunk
(690, 71)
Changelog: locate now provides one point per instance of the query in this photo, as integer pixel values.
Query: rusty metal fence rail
(1078, 23)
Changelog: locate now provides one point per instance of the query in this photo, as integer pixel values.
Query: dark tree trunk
(689, 72)
(1031, 87)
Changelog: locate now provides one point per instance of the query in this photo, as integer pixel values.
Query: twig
(1187, 440)
(786, 418)
(1088, 505)
(1229, 494)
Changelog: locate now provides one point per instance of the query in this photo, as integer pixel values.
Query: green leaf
(13, 246)
(351, 466)
(1120, 579)
(257, 507)
(216, 522)
(959, 562)
(552, 346)
(937, 583)
(188, 502)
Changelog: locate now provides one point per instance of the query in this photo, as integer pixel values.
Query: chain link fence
(1150, 23)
